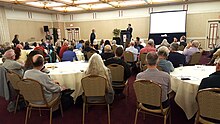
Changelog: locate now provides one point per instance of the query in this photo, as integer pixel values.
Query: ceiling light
(95, 6)
(128, 3)
(67, 9)
(45, 4)
(85, 1)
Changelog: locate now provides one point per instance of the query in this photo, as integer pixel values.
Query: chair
(208, 104)
(117, 72)
(195, 58)
(14, 79)
(148, 92)
(33, 92)
(94, 86)
(143, 60)
(128, 57)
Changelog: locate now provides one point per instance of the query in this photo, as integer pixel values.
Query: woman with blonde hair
(97, 67)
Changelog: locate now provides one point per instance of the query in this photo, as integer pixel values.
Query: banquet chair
(33, 92)
(208, 104)
(195, 58)
(118, 83)
(143, 60)
(128, 57)
(94, 86)
(150, 93)
(14, 79)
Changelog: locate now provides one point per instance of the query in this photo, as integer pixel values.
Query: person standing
(92, 36)
(15, 41)
(129, 32)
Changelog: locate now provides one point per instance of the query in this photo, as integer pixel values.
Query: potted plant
(116, 33)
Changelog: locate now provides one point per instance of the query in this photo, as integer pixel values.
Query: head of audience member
(132, 43)
(17, 53)
(119, 52)
(163, 52)
(217, 66)
(138, 40)
(38, 61)
(195, 43)
(65, 43)
(81, 41)
(34, 44)
(113, 42)
(87, 44)
(29, 63)
(165, 43)
(96, 65)
(152, 59)
(102, 42)
(107, 49)
(9, 54)
(174, 47)
(183, 38)
(58, 44)
(175, 39)
(150, 43)
(7, 45)
(19, 46)
(70, 48)
(107, 42)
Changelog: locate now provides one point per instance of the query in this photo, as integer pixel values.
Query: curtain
(4, 30)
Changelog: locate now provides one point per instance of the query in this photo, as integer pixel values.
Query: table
(186, 90)
(68, 74)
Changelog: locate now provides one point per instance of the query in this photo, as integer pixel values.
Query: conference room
(76, 46)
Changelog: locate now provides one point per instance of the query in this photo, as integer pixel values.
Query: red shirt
(147, 49)
(62, 50)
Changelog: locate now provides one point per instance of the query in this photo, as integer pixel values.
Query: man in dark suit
(129, 32)
(92, 36)
(175, 57)
(213, 81)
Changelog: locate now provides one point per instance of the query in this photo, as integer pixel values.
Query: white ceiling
(82, 6)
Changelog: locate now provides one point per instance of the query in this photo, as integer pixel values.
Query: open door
(213, 33)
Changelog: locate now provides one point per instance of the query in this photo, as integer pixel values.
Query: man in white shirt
(132, 49)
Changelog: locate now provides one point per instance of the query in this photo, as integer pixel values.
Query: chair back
(13, 78)
(195, 58)
(148, 92)
(208, 102)
(143, 58)
(89, 54)
(128, 56)
(117, 72)
(94, 85)
(32, 90)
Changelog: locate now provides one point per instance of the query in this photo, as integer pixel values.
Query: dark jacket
(213, 81)
(176, 59)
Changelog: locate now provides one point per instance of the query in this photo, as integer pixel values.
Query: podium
(123, 36)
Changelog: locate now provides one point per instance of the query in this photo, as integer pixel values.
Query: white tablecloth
(79, 54)
(186, 90)
(68, 74)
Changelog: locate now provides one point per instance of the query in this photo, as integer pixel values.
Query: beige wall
(104, 28)
(60, 25)
(27, 30)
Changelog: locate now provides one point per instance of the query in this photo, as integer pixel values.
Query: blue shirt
(69, 56)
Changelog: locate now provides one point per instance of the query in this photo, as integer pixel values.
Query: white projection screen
(168, 22)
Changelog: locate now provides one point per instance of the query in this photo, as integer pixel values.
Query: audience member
(108, 53)
(133, 50)
(137, 45)
(160, 77)
(58, 47)
(176, 58)
(164, 43)
(11, 64)
(29, 63)
(49, 86)
(97, 67)
(69, 55)
(87, 48)
(213, 80)
(183, 41)
(149, 47)
(190, 49)
(63, 48)
(165, 64)
(79, 45)
(27, 46)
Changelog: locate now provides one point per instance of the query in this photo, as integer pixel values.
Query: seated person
(29, 63)
(132, 49)
(213, 80)
(11, 64)
(87, 48)
(149, 47)
(183, 41)
(97, 67)
(160, 77)
(138, 44)
(190, 49)
(164, 43)
(175, 57)
(69, 55)
(80, 45)
(50, 87)
(166, 65)
(108, 53)
(63, 48)
(117, 60)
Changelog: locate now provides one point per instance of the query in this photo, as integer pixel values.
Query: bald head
(38, 60)
(9, 54)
